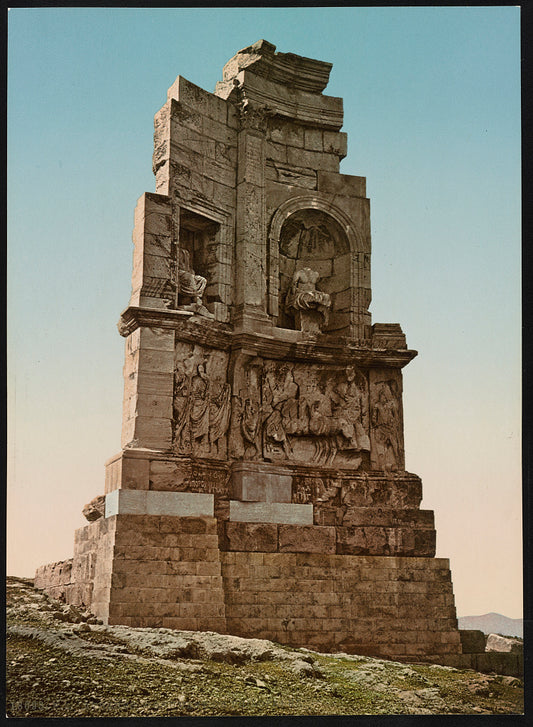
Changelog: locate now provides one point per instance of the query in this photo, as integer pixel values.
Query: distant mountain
(493, 623)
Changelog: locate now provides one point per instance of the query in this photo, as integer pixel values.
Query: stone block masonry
(261, 487)
(168, 571)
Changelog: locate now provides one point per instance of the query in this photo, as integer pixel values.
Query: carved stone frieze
(201, 407)
(387, 425)
(246, 416)
(301, 413)
(316, 489)
(363, 492)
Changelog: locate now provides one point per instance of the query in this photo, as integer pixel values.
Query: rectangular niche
(200, 238)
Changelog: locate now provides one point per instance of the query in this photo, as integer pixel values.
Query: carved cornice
(206, 332)
(288, 69)
(344, 352)
(193, 328)
(253, 116)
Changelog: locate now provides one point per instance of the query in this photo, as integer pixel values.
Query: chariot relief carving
(301, 413)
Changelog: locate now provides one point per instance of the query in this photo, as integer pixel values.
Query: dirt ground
(62, 663)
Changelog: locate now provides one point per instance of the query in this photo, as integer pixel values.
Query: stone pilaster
(152, 279)
(250, 239)
(148, 388)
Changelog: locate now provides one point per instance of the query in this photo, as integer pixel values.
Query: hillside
(61, 662)
(493, 623)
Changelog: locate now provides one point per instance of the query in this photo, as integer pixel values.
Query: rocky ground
(61, 662)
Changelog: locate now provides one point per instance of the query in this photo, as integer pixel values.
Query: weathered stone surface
(311, 539)
(495, 642)
(472, 641)
(255, 482)
(179, 504)
(251, 537)
(261, 487)
(94, 509)
(270, 512)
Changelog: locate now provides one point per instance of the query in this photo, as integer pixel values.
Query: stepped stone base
(172, 572)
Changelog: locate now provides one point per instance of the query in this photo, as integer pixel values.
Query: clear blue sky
(432, 112)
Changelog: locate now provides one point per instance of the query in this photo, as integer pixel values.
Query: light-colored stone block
(152, 432)
(207, 103)
(111, 503)
(270, 512)
(152, 405)
(180, 504)
(336, 142)
(260, 483)
(142, 502)
(156, 360)
(313, 139)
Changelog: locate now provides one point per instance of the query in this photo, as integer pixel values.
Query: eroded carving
(246, 415)
(191, 286)
(350, 409)
(387, 426)
(312, 234)
(309, 306)
(219, 414)
(201, 407)
(316, 489)
(253, 116)
(312, 414)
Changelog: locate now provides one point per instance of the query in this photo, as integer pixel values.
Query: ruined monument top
(287, 84)
(289, 69)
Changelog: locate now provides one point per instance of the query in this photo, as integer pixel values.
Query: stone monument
(261, 489)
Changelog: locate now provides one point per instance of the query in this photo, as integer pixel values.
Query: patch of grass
(71, 686)
(44, 681)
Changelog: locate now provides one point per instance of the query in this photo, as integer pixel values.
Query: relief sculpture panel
(301, 413)
(246, 409)
(283, 411)
(386, 422)
(201, 408)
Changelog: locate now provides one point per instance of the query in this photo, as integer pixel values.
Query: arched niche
(309, 232)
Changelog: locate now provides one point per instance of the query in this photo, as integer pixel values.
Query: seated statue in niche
(309, 306)
(191, 285)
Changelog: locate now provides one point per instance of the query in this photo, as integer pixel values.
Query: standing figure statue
(250, 428)
(350, 410)
(219, 414)
(199, 407)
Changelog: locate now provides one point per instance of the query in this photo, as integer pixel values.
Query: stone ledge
(270, 512)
